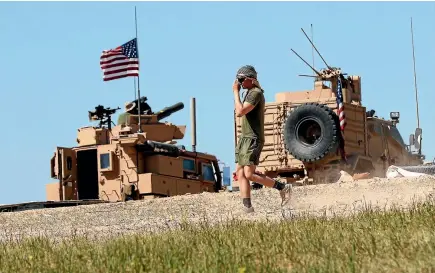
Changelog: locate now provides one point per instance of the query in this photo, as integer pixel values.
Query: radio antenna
(418, 130)
(312, 48)
(415, 76)
(315, 48)
(315, 71)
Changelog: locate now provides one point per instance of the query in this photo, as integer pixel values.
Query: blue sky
(50, 75)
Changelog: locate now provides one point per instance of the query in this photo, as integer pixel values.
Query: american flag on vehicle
(340, 111)
(341, 115)
(120, 62)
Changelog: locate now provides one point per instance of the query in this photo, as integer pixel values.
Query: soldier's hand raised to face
(236, 86)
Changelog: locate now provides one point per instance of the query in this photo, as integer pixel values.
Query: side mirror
(417, 138)
(411, 139)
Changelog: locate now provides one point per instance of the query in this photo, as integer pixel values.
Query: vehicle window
(189, 165)
(207, 172)
(104, 161)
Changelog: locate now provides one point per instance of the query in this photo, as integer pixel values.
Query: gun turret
(167, 111)
(151, 124)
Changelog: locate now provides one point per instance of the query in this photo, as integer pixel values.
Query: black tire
(430, 169)
(315, 116)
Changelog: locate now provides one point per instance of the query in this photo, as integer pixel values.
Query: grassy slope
(370, 242)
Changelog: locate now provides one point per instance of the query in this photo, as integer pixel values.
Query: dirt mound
(97, 221)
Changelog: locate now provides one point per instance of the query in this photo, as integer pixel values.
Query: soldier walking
(251, 140)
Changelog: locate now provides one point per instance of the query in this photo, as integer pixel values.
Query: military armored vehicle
(313, 135)
(132, 162)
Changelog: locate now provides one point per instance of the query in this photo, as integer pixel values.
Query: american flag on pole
(341, 116)
(120, 62)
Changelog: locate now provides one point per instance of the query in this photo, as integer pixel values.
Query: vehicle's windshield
(389, 130)
(396, 135)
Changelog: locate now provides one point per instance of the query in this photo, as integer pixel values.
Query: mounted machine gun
(104, 115)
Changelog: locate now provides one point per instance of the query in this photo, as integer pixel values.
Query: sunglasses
(241, 80)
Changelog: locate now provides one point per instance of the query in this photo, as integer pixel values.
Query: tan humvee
(122, 163)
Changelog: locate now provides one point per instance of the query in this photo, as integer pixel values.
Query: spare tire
(311, 131)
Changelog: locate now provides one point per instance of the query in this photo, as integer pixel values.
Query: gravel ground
(103, 220)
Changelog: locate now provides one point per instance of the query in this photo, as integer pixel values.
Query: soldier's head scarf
(248, 71)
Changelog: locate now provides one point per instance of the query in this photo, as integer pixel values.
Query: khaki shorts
(248, 151)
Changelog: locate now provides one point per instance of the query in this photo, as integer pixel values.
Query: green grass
(373, 241)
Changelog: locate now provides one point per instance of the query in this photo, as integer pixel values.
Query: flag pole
(134, 79)
(138, 85)
(135, 95)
